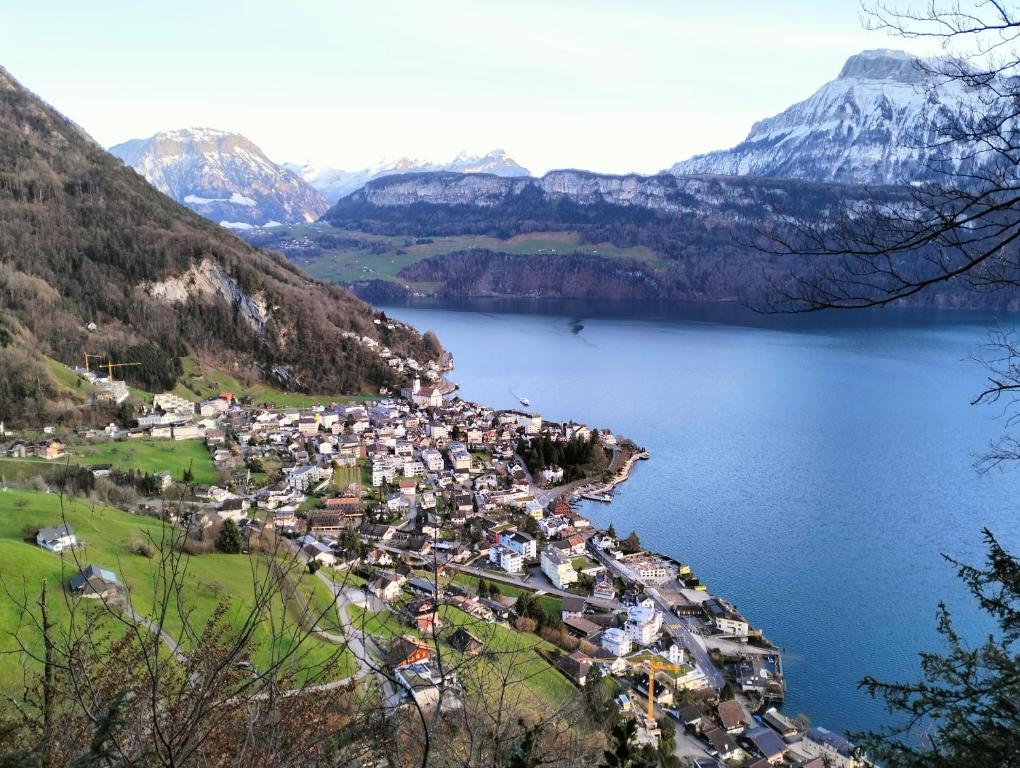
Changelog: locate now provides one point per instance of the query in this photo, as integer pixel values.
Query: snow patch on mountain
(335, 183)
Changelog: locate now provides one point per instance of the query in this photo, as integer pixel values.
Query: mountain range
(94, 259)
(868, 135)
(222, 176)
(335, 183)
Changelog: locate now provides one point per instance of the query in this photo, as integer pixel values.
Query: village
(414, 502)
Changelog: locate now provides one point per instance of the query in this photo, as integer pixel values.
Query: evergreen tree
(968, 697)
(228, 540)
(631, 544)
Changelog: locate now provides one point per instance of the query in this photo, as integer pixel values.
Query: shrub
(143, 548)
(524, 624)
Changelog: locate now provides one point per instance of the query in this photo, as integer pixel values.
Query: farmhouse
(57, 539)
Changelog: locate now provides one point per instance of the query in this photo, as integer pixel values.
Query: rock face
(335, 183)
(876, 123)
(716, 195)
(222, 176)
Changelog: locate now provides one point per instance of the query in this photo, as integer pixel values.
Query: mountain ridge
(335, 183)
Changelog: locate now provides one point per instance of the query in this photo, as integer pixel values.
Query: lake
(811, 469)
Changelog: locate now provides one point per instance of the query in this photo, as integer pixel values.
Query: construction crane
(87, 355)
(654, 665)
(110, 366)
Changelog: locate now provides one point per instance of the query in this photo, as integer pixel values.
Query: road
(690, 641)
(694, 645)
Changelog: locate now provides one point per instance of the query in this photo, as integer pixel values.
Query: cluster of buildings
(771, 739)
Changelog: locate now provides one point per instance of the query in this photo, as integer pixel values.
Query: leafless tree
(960, 225)
(126, 680)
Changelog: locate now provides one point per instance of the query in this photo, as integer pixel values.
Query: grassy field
(199, 382)
(151, 455)
(513, 657)
(382, 625)
(388, 255)
(548, 602)
(344, 477)
(111, 538)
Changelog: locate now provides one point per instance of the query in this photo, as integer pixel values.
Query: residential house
(603, 587)
(576, 666)
(459, 457)
(767, 744)
(724, 744)
(572, 607)
(823, 743)
(465, 642)
(386, 587)
(406, 650)
(421, 614)
(57, 539)
(616, 641)
(319, 552)
(95, 582)
(731, 716)
(725, 617)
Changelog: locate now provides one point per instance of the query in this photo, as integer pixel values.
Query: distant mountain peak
(884, 64)
(335, 183)
(223, 176)
(875, 123)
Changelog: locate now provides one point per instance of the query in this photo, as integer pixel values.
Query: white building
(57, 539)
(520, 542)
(459, 457)
(616, 641)
(725, 617)
(433, 460)
(505, 558)
(558, 568)
(643, 622)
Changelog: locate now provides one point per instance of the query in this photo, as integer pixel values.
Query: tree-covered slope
(84, 240)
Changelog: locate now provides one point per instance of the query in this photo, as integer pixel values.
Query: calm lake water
(810, 469)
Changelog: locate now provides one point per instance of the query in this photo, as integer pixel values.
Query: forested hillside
(84, 240)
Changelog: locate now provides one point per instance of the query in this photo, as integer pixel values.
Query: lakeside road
(690, 641)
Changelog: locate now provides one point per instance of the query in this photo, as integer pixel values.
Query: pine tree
(228, 540)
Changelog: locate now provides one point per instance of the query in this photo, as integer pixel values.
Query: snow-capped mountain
(222, 176)
(335, 183)
(874, 124)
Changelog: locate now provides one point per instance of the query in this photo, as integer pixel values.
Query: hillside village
(411, 504)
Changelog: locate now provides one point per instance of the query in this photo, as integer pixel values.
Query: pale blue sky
(610, 86)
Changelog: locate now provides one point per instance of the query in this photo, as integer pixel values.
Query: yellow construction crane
(87, 355)
(654, 665)
(110, 366)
